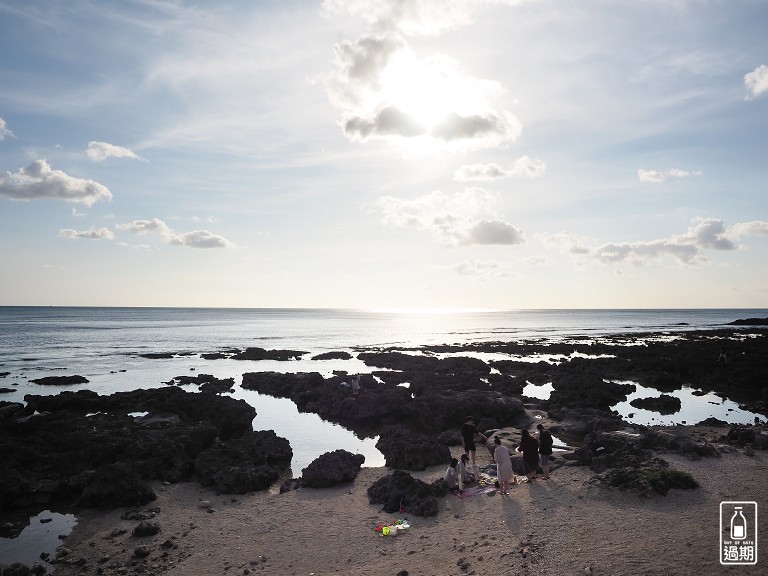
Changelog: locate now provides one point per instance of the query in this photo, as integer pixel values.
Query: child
(465, 476)
(451, 476)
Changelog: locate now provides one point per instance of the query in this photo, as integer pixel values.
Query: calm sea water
(103, 344)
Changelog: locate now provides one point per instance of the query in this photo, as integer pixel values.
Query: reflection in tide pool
(309, 435)
(40, 536)
(694, 407)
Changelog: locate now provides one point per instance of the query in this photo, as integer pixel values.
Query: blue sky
(388, 154)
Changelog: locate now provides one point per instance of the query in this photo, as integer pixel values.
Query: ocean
(104, 344)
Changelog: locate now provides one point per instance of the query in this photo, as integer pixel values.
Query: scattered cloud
(38, 180)
(99, 151)
(482, 269)
(706, 234)
(753, 228)
(756, 82)
(656, 177)
(523, 166)
(193, 239)
(4, 131)
(461, 219)
(92, 234)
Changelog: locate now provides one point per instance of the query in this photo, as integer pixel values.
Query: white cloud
(650, 176)
(706, 234)
(92, 234)
(523, 166)
(755, 227)
(4, 131)
(415, 17)
(656, 177)
(193, 239)
(385, 91)
(460, 219)
(99, 151)
(756, 82)
(482, 269)
(38, 180)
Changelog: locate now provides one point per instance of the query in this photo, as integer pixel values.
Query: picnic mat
(475, 490)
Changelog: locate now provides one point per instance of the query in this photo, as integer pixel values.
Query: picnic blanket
(475, 490)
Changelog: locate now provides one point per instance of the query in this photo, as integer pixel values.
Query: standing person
(503, 460)
(468, 433)
(529, 446)
(545, 449)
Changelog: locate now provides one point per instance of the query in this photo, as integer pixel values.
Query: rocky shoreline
(86, 450)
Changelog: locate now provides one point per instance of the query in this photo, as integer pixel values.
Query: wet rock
(60, 380)
(256, 353)
(589, 392)
(333, 356)
(332, 468)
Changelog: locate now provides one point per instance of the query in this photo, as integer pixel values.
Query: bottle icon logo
(738, 533)
(738, 524)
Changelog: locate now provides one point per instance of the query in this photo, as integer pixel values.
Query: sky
(385, 154)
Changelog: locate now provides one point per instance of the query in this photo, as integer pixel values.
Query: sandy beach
(566, 525)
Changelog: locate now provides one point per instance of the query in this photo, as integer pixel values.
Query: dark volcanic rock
(655, 476)
(664, 404)
(207, 383)
(333, 356)
(82, 445)
(6, 390)
(253, 462)
(262, 354)
(332, 468)
(402, 448)
(589, 392)
(158, 355)
(401, 492)
(61, 380)
(750, 322)
(116, 485)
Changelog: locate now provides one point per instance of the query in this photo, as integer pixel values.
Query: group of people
(535, 452)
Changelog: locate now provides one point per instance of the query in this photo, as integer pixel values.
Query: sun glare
(430, 89)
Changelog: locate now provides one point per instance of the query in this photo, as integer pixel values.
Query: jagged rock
(253, 462)
(332, 468)
(402, 448)
(399, 491)
(61, 447)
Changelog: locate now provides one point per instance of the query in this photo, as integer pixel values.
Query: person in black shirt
(468, 433)
(545, 449)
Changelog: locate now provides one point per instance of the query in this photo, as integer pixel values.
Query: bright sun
(428, 90)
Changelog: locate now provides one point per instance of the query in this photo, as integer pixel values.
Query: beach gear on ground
(392, 528)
